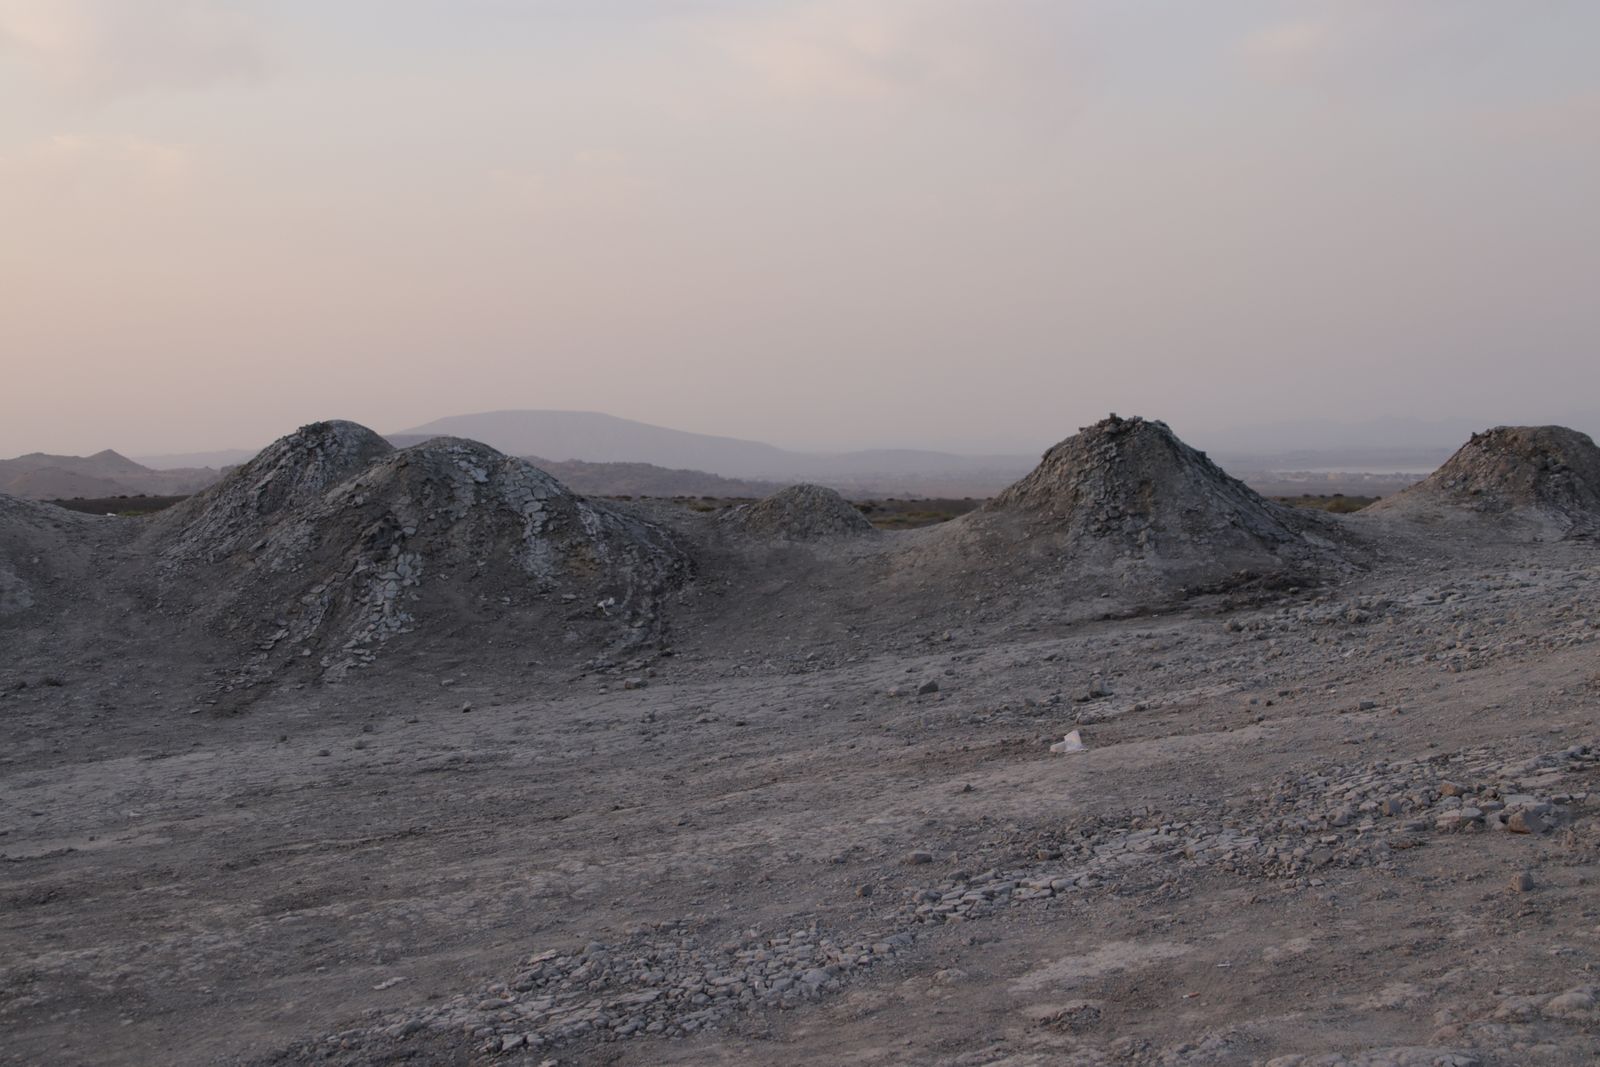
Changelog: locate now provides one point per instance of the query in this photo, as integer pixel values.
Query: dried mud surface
(816, 820)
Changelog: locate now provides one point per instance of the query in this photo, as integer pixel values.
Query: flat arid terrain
(369, 755)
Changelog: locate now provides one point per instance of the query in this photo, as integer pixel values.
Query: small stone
(919, 857)
(864, 891)
(1572, 1002)
(1522, 882)
(634, 683)
(1524, 821)
(930, 686)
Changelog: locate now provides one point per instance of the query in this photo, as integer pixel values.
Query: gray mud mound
(39, 544)
(1125, 505)
(1534, 481)
(799, 513)
(292, 472)
(449, 536)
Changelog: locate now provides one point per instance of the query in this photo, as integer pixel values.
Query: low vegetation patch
(119, 505)
(1337, 503)
(895, 514)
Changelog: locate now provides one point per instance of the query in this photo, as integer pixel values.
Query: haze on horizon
(968, 224)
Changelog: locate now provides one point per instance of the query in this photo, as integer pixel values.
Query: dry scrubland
(369, 755)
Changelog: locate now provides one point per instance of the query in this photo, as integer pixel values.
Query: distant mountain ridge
(40, 476)
(647, 479)
(219, 460)
(600, 438)
(103, 464)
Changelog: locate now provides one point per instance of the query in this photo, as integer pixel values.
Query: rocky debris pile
(1461, 625)
(1540, 481)
(652, 984)
(799, 513)
(661, 981)
(289, 475)
(330, 543)
(37, 542)
(1289, 830)
(1125, 501)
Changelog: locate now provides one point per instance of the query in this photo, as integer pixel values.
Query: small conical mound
(1130, 485)
(1125, 507)
(293, 471)
(1535, 480)
(449, 535)
(799, 513)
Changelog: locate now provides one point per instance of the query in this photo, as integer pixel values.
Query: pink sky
(826, 224)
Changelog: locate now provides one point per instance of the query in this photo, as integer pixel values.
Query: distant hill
(40, 476)
(227, 457)
(106, 464)
(51, 483)
(599, 438)
(647, 479)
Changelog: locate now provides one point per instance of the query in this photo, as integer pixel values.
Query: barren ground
(1283, 839)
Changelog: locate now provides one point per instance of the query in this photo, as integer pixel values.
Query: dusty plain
(1355, 821)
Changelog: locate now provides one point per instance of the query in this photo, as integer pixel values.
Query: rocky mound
(1125, 502)
(38, 543)
(331, 543)
(292, 472)
(799, 513)
(1541, 481)
(1132, 486)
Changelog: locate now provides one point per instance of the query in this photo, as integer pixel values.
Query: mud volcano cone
(1533, 481)
(1124, 508)
(799, 513)
(331, 543)
(1131, 487)
(291, 473)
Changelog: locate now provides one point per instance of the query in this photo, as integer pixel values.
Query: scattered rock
(1073, 742)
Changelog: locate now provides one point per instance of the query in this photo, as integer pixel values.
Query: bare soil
(1354, 821)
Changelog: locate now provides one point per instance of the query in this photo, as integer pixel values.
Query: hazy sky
(960, 223)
